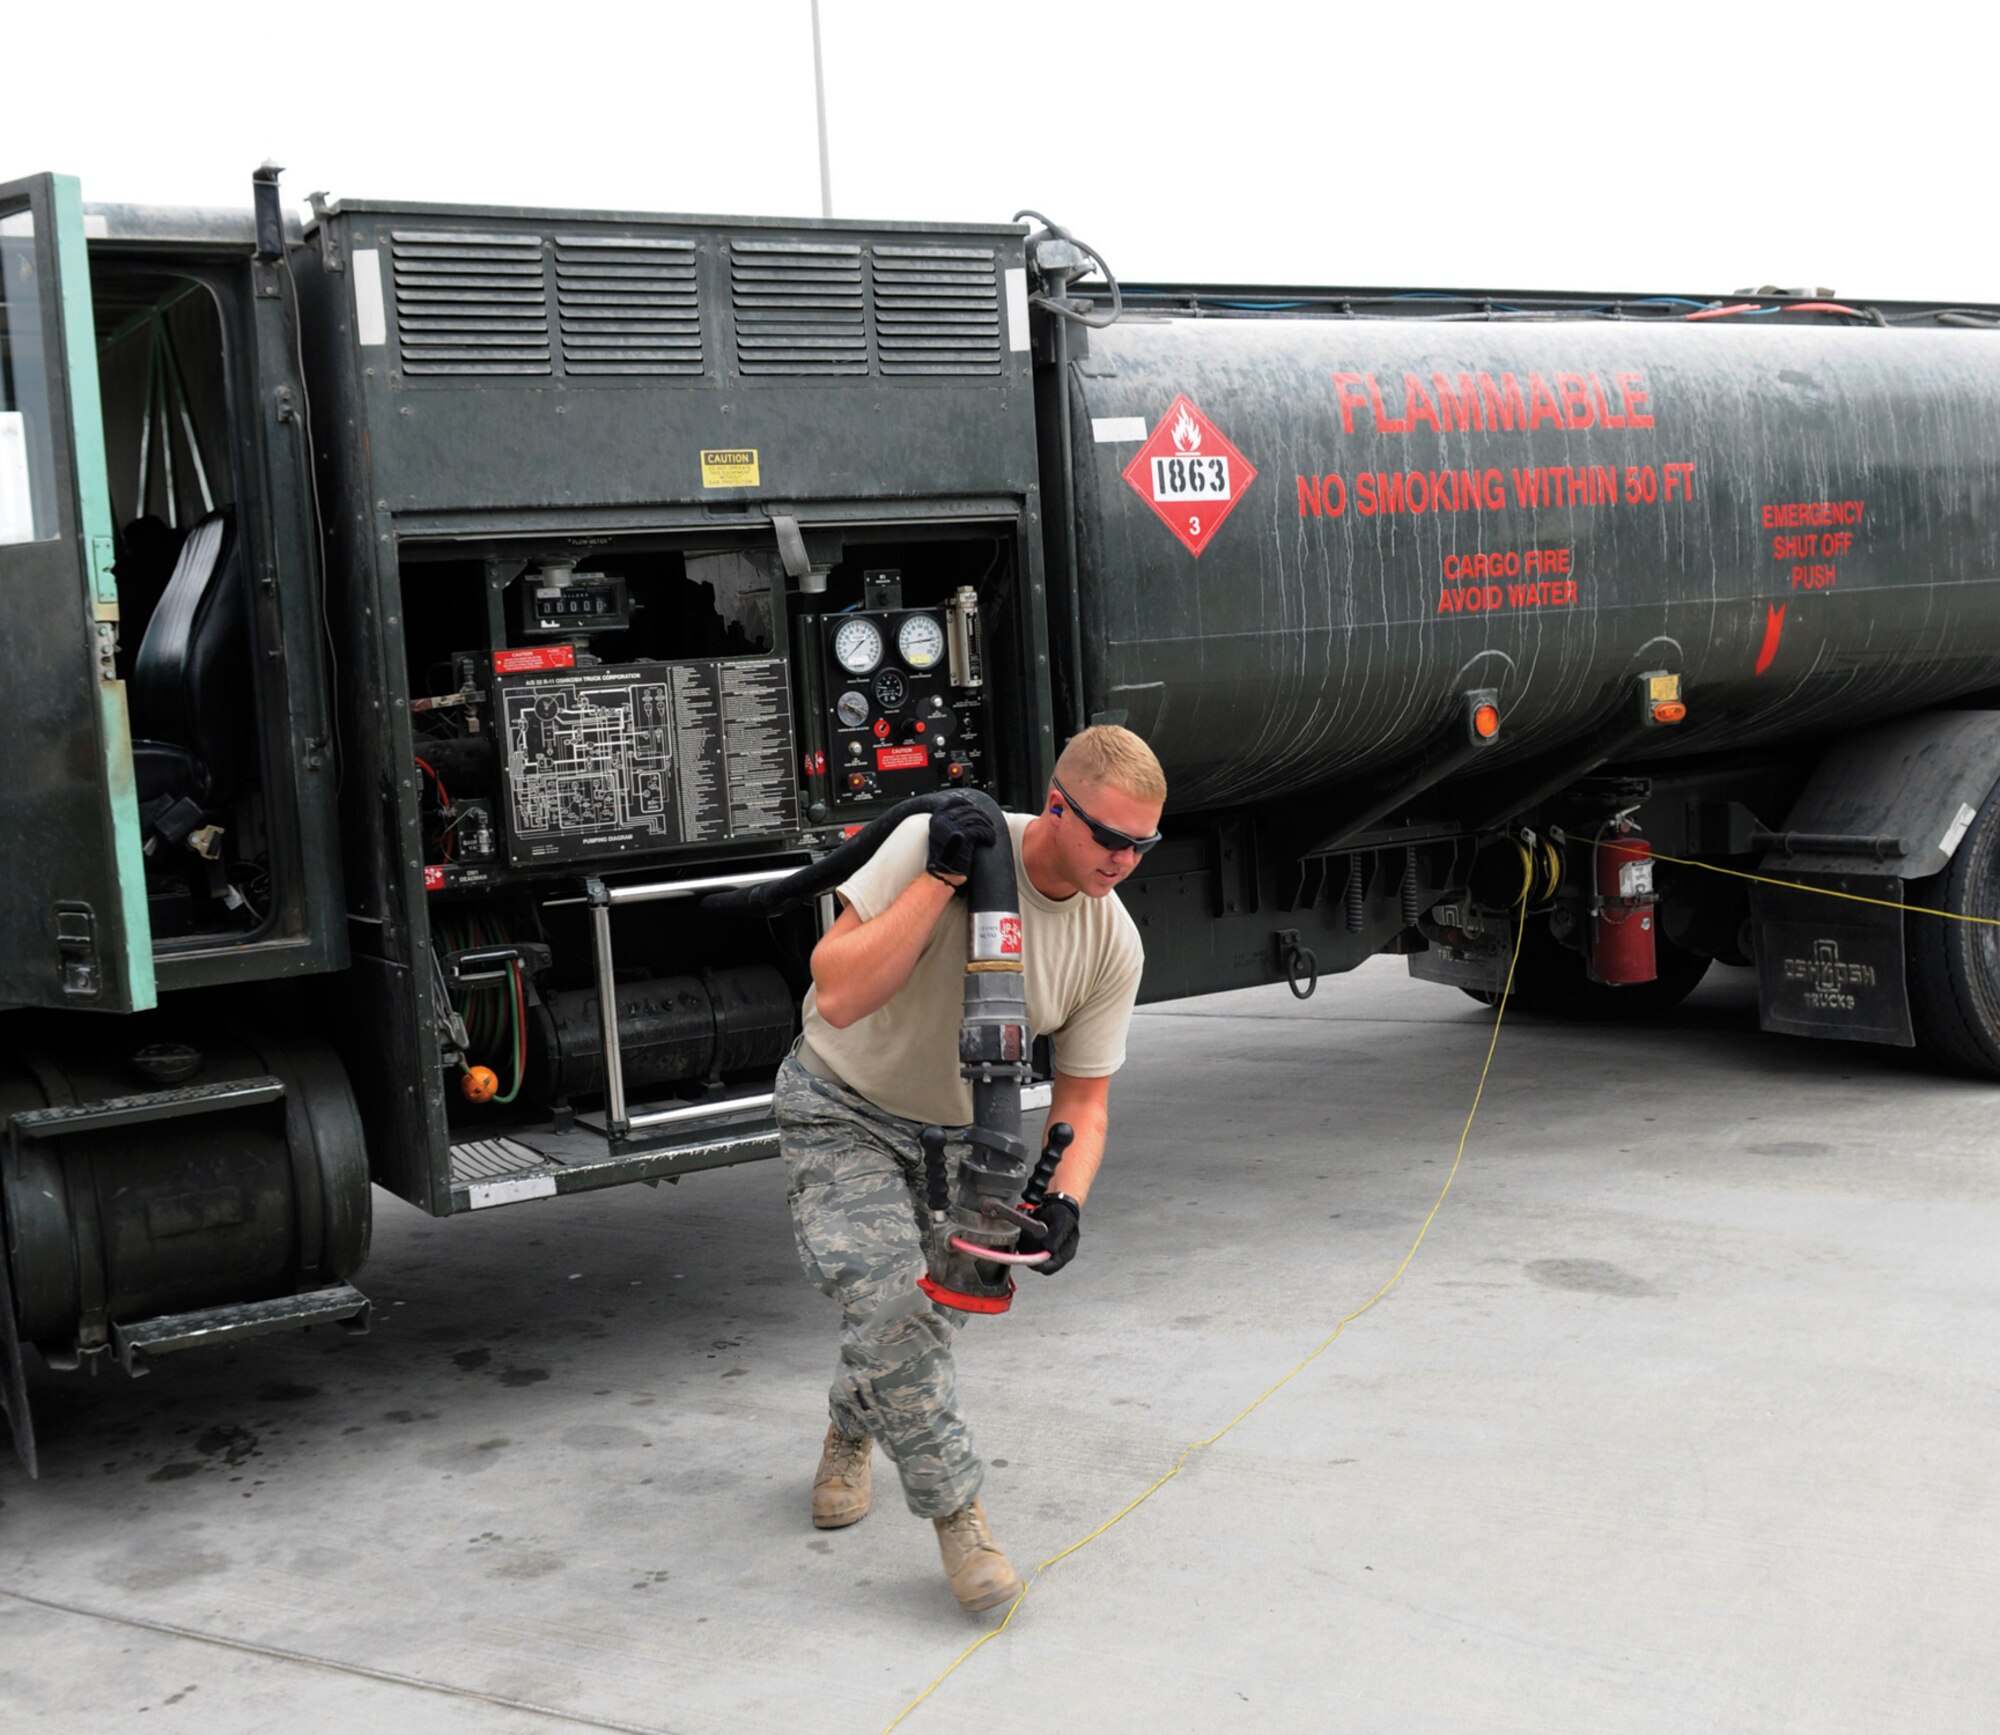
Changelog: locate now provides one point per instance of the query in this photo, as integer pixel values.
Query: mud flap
(1830, 968)
(13, 1375)
(1478, 963)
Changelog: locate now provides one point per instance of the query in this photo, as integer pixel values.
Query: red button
(920, 728)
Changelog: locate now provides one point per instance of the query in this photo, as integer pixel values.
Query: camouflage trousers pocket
(849, 1186)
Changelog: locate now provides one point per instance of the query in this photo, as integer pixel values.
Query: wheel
(1953, 968)
(1550, 979)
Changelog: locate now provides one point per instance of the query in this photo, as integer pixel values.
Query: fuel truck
(411, 615)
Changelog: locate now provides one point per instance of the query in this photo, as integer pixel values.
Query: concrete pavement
(1684, 1417)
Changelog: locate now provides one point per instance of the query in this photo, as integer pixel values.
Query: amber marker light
(1671, 712)
(1481, 712)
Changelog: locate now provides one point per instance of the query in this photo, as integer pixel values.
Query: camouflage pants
(856, 1191)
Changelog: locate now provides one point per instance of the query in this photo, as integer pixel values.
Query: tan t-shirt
(1083, 959)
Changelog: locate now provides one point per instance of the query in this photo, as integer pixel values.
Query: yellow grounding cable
(1709, 867)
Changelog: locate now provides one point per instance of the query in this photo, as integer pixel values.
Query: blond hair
(1108, 757)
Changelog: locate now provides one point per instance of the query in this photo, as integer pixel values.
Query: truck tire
(1953, 968)
(1550, 980)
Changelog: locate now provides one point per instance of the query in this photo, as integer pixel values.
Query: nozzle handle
(937, 1184)
(1052, 1155)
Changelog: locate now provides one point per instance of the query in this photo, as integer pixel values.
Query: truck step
(147, 1106)
(539, 1162)
(340, 1304)
(499, 1171)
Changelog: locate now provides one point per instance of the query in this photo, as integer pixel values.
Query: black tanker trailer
(411, 619)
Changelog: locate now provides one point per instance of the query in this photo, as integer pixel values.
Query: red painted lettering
(1383, 425)
(1505, 410)
(1605, 416)
(1322, 495)
(1458, 409)
(1507, 403)
(1810, 514)
(1346, 388)
(1575, 390)
(1417, 405)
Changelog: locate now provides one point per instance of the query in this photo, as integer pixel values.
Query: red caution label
(537, 657)
(996, 935)
(902, 758)
(433, 879)
(1190, 474)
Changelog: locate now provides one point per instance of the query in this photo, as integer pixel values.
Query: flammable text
(1488, 403)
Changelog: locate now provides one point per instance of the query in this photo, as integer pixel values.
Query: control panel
(558, 761)
(904, 699)
(579, 742)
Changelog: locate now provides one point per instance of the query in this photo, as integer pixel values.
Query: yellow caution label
(735, 467)
(1664, 688)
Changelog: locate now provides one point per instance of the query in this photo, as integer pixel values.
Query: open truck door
(73, 922)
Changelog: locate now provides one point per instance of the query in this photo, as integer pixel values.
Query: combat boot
(842, 1487)
(979, 1574)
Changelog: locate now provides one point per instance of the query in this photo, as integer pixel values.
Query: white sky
(1542, 144)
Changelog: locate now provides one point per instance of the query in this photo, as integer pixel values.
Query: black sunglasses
(1108, 837)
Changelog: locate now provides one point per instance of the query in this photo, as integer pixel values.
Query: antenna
(819, 100)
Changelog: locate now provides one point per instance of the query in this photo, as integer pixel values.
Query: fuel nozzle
(978, 1235)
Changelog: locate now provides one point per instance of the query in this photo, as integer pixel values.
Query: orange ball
(480, 1084)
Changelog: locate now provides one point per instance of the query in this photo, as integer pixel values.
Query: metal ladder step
(500, 1171)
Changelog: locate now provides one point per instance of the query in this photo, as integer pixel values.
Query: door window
(28, 503)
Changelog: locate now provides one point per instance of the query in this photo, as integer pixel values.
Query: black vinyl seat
(191, 694)
(147, 551)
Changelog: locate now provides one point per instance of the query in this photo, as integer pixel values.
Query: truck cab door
(73, 921)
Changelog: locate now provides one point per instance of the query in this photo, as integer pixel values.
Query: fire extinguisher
(1623, 912)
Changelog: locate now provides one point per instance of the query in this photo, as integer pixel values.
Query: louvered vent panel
(798, 308)
(937, 310)
(627, 305)
(469, 303)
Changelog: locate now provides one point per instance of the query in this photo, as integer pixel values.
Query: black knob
(937, 1185)
(1052, 1155)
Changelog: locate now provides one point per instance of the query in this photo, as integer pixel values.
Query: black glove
(1064, 1216)
(956, 831)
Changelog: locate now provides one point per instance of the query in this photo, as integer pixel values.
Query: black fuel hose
(993, 1043)
(990, 884)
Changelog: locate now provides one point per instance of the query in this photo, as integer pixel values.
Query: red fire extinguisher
(1622, 920)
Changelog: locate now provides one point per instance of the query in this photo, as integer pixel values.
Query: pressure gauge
(857, 646)
(852, 709)
(890, 689)
(921, 641)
